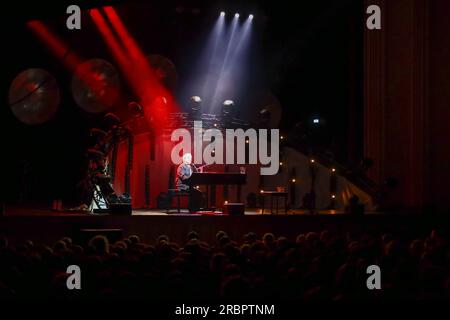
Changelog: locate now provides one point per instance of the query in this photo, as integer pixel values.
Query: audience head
(220, 235)
(318, 265)
(269, 239)
(99, 244)
(162, 238)
(192, 235)
(134, 239)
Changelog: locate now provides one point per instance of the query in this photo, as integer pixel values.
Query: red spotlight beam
(155, 98)
(150, 86)
(109, 38)
(128, 41)
(63, 52)
(124, 62)
(55, 44)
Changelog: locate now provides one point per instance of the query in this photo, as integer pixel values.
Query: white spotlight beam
(229, 52)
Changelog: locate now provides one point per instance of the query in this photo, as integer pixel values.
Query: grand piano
(211, 179)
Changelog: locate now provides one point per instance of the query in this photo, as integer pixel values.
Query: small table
(277, 195)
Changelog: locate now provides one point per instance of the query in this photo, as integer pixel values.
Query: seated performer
(184, 172)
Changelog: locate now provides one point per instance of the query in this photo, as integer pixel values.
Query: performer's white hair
(187, 156)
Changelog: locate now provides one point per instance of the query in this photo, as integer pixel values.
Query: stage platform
(46, 226)
(32, 212)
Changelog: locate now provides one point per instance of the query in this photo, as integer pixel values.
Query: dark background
(308, 54)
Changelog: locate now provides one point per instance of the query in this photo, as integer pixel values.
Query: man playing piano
(184, 172)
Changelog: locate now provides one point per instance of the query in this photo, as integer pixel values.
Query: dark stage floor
(33, 211)
(46, 226)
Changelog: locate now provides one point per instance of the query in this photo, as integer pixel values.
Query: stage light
(196, 99)
(197, 187)
(333, 196)
(281, 163)
(226, 202)
(236, 15)
(281, 138)
(316, 120)
(222, 14)
(262, 191)
(312, 160)
(195, 104)
(215, 125)
(227, 111)
(333, 170)
(160, 100)
(251, 17)
(293, 180)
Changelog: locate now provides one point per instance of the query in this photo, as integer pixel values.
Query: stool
(178, 194)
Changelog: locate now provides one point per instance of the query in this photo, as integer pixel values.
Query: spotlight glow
(196, 99)
(223, 62)
(250, 16)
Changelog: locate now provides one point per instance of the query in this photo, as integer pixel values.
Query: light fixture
(316, 120)
(222, 14)
(333, 170)
(293, 180)
(262, 191)
(333, 196)
(236, 15)
(281, 163)
(196, 99)
(312, 160)
(250, 16)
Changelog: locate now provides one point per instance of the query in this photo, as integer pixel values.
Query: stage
(45, 212)
(47, 226)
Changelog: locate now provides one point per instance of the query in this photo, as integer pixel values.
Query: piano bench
(177, 194)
